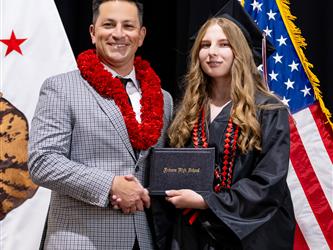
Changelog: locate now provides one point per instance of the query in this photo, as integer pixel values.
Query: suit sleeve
(255, 197)
(169, 106)
(49, 151)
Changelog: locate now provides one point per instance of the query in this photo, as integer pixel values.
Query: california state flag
(33, 46)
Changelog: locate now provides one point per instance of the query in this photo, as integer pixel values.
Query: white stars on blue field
(286, 76)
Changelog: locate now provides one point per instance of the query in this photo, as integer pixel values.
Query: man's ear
(92, 33)
(142, 35)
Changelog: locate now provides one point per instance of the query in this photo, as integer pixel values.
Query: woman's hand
(186, 198)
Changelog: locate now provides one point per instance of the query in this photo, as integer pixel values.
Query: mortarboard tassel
(264, 59)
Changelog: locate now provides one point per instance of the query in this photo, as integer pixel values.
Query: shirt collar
(131, 76)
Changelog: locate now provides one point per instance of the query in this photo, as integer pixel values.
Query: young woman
(227, 106)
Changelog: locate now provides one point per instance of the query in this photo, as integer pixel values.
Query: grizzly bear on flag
(16, 185)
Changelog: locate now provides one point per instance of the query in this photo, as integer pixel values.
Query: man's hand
(128, 194)
(145, 197)
(186, 198)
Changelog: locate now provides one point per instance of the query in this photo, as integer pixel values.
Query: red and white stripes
(311, 178)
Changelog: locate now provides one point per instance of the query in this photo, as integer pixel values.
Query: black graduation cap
(234, 11)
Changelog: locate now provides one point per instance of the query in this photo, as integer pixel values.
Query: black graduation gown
(256, 213)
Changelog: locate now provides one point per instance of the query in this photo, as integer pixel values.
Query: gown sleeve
(259, 184)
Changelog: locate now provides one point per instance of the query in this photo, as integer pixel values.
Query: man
(91, 136)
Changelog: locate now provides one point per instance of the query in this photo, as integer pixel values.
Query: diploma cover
(181, 168)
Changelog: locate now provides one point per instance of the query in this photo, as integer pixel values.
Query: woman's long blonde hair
(246, 81)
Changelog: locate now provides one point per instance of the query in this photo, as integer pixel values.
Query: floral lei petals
(142, 135)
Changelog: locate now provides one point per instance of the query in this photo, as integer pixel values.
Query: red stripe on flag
(299, 241)
(324, 128)
(310, 184)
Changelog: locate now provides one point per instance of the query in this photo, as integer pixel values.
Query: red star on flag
(13, 44)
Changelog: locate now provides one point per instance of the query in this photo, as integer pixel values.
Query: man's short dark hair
(97, 3)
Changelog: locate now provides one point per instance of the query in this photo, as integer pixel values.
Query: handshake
(128, 194)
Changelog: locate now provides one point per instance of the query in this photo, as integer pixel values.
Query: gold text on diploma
(181, 170)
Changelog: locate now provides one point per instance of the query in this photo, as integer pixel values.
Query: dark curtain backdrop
(171, 23)
(316, 22)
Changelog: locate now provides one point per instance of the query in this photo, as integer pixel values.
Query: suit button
(137, 168)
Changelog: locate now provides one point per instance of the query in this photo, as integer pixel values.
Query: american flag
(311, 157)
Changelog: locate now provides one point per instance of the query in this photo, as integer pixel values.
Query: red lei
(142, 135)
(222, 175)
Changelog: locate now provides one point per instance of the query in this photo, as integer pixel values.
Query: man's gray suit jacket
(78, 143)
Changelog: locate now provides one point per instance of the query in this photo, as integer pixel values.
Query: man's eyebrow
(124, 21)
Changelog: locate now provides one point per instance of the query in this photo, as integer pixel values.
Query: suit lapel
(161, 141)
(112, 111)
